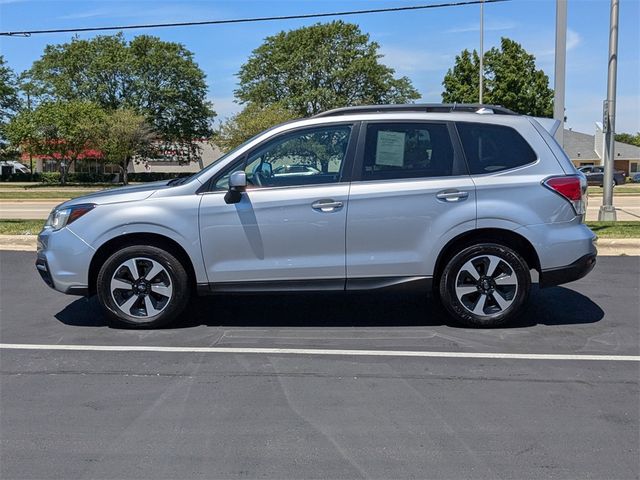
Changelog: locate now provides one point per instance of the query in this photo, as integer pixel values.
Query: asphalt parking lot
(315, 408)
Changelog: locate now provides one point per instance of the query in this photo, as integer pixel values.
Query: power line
(28, 33)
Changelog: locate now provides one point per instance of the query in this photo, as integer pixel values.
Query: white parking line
(321, 352)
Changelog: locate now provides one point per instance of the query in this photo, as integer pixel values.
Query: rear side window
(407, 150)
(492, 148)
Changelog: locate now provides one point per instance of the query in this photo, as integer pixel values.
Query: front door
(290, 223)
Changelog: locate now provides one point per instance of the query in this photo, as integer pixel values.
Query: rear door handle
(452, 195)
(326, 205)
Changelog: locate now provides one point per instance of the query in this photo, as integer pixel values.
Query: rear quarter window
(493, 148)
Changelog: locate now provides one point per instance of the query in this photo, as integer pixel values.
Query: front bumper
(63, 261)
(568, 273)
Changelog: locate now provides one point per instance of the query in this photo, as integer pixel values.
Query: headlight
(65, 216)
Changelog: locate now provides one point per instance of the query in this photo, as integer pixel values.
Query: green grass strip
(20, 227)
(615, 229)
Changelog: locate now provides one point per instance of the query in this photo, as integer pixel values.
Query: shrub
(50, 177)
(23, 177)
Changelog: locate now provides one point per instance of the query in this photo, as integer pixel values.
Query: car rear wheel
(485, 285)
(143, 286)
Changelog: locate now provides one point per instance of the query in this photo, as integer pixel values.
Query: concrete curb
(606, 246)
(21, 243)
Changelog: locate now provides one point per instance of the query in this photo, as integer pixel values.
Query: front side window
(306, 157)
(407, 150)
(492, 148)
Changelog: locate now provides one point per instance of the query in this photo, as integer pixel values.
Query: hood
(118, 195)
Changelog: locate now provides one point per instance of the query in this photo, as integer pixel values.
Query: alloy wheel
(141, 287)
(486, 285)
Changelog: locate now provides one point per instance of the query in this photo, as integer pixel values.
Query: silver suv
(461, 200)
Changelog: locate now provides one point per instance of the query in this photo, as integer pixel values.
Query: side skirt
(322, 285)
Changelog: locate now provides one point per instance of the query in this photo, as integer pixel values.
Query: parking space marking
(324, 352)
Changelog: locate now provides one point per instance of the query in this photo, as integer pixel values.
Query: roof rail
(419, 107)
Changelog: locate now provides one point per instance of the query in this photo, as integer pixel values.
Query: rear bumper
(568, 273)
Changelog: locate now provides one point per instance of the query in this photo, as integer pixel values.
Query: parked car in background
(461, 200)
(595, 175)
(9, 167)
(635, 177)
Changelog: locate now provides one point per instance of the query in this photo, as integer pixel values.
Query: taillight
(571, 187)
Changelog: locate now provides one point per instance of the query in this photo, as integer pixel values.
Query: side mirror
(238, 180)
(237, 185)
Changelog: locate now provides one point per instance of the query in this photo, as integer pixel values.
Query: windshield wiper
(177, 181)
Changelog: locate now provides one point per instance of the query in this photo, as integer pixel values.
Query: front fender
(175, 218)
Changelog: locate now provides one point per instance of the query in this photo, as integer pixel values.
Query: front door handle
(326, 205)
(452, 195)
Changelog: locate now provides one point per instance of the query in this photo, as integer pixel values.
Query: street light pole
(560, 68)
(481, 89)
(30, 146)
(607, 210)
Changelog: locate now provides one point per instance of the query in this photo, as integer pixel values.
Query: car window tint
(407, 150)
(492, 148)
(306, 157)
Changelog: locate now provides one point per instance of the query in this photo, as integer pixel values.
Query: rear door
(411, 192)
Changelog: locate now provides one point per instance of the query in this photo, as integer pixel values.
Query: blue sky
(419, 44)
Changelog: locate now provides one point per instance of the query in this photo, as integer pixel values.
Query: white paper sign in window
(390, 148)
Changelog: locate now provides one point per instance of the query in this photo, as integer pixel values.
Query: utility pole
(30, 147)
(481, 89)
(560, 68)
(607, 210)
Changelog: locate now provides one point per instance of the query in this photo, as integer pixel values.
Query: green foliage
(461, 82)
(629, 138)
(49, 178)
(9, 100)
(316, 68)
(61, 130)
(9, 105)
(124, 135)
(157, 79)
(511, 80)
(251, 121)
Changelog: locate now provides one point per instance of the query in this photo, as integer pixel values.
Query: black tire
(502, 300)
(146, 258)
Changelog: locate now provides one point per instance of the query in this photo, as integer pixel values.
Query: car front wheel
(485, 285)
(143, 286)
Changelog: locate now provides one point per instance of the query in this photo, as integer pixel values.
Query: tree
(511, 80)
(9, 105)
(312, 69)
(462, 81)
(629, 138)
(9, 100)
(125, 135)
(62, 131)
(157, 79)
(251, 121)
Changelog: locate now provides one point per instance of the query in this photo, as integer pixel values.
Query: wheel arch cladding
(131, 239)
(507, 238)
